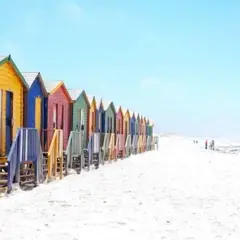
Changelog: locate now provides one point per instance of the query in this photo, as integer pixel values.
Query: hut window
(62, 120)
(82, 117)
(119, 126)
(54, 115)
(111, 128)
(93, 121)
(78, 124)
(99, 121)
(108, 129)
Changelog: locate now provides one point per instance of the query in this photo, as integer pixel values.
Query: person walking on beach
(213, 143)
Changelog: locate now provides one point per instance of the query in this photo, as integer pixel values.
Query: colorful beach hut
(119, 120)
(126, 123)
(59, 105)
(132, 123)
(13, 90)
(150, 127)
(80, 118)
(36, 98)
(92, 115)
(137, 123)
(99, 115)
(126, 131)
(147, 126)
(109, 117)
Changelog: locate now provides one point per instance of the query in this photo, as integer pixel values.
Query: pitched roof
(131, 113)
(98, 102)
(75, 93)
(30, 78)
(2, 57)
(124, 110)
(106, 104)
(51, 85)
(8, 58)
(90, 98)
(118, 107)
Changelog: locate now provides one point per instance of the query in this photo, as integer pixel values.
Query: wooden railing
(128, 146)
(26, 147)
(144, 143)
(111, 147)
(105, 146)
(74, 147)
(55, 155)
(46, 138)
(119, 144)
(134, 144)
(139, 148)
(149, 143)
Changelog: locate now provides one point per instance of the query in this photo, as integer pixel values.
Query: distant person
(213, 143)
(197, 141)
(206, 144)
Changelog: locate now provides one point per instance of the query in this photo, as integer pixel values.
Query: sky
(176, 62)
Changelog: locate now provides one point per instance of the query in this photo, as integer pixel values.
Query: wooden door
(38, 113)
(9, 119)
(62, 118)
(100, 122)
(125, 132)
(93, 122)
(55, 115)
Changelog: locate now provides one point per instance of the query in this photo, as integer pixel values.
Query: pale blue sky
(174, 61)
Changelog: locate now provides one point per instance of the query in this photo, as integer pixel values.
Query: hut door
(62, 118)
(38, 117)
(82, 120)
(125, 133)
(55, 116)
(93, 122)
(119, 126)
(100, 121)
(9, 119)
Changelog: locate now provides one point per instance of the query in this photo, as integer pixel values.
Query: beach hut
(126, 131)
(147, 126)
(119, 120)
(13, 91)
(99, 115)
(141, 125)
(59, 113)
(144, 126)
(81, 106)
(36, 98)
(137, 122)
(132, 123)
(119, 133)
(150, 127)
(109, 124)
(92, 115)
(109, 117)
(126, 123)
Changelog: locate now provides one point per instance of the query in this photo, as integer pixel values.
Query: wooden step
(27, 181)
(3, 173)
(3, 181)
(3, 165)
(3, 160)
(3, 190)
(27, 175)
